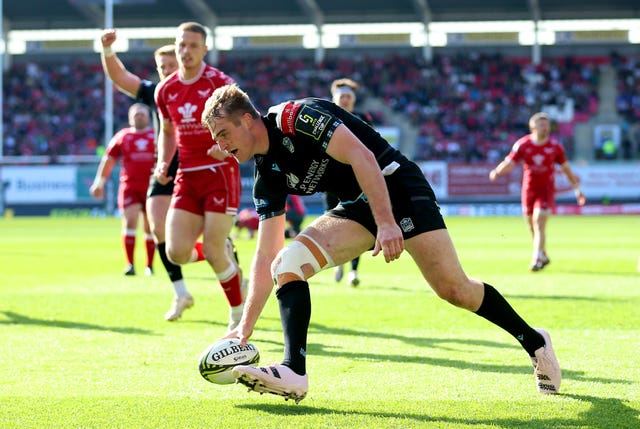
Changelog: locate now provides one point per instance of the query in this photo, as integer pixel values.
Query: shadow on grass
(414, 341)
(19, 319)
(603, 413)
(566, 298)
(317, 349)
(591, 273)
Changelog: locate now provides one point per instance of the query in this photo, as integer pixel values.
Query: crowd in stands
(468, 107)
(628, 102)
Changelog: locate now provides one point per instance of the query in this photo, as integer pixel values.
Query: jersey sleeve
(515, 155)
(306, 121)
(268, 202)
(561, 156)
(114, 148)
(163, 111)
(146, 92)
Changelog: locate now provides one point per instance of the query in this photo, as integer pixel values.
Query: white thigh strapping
(304, 251)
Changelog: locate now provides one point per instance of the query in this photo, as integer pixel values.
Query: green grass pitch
(83, 346)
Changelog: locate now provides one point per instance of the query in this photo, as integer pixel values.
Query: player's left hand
(580, 198)
(160, 173)
(216, 152)
(389, 240)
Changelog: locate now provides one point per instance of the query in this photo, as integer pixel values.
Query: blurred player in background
(343, 93)
(539, 153)
(159, 195)
(247, 219)
(134, 146)
(207, 191)
(386, 205)
(295, 211)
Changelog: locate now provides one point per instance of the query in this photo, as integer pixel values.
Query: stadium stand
(466, 107)
(468, 104)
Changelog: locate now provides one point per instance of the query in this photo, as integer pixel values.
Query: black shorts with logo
(156, 188)
(415, 208)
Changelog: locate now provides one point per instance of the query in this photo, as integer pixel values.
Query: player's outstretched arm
(113, 68)
(104, 171)
(270, 241)
(503, 168)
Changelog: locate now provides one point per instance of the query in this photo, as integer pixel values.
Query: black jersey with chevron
(297, 162)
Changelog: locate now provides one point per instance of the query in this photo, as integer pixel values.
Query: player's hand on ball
(241, 332)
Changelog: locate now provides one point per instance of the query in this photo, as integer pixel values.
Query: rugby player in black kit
(386, 204)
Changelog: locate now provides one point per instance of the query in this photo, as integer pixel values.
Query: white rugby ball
(217, 361)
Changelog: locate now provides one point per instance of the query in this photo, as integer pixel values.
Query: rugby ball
(217, 361)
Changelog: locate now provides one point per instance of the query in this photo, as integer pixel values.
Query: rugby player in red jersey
(135, 147)
(158, 195)
(539, 153)
(207, 191)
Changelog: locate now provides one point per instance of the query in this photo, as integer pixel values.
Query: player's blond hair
(228, 101)
(536, 117)
(165, 50)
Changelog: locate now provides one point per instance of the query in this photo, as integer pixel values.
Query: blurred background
(451, 83)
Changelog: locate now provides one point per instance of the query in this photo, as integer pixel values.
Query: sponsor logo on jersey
(406, 224)
(172, 97)
(292, 180)
(275, 167)
(286, 142)
(314, 174)
(260, 202)
(287, 116)
(187, 110)
(311, 122)
(205, 93)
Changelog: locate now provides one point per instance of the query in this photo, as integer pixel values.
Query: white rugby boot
(178, 306)
(547, 372)
(276, 379)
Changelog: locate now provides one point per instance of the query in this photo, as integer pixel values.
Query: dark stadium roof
(59, 14)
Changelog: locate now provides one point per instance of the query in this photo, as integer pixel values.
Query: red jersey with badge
(182, 102)
(136, 151)
(538, 161)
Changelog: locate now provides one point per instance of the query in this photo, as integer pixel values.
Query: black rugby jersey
(297, 162)
(145, 95)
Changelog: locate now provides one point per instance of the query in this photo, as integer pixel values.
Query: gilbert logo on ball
(217, 361)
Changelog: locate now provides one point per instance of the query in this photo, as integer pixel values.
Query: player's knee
(176, 256)
(299, 261)
(454, 293)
